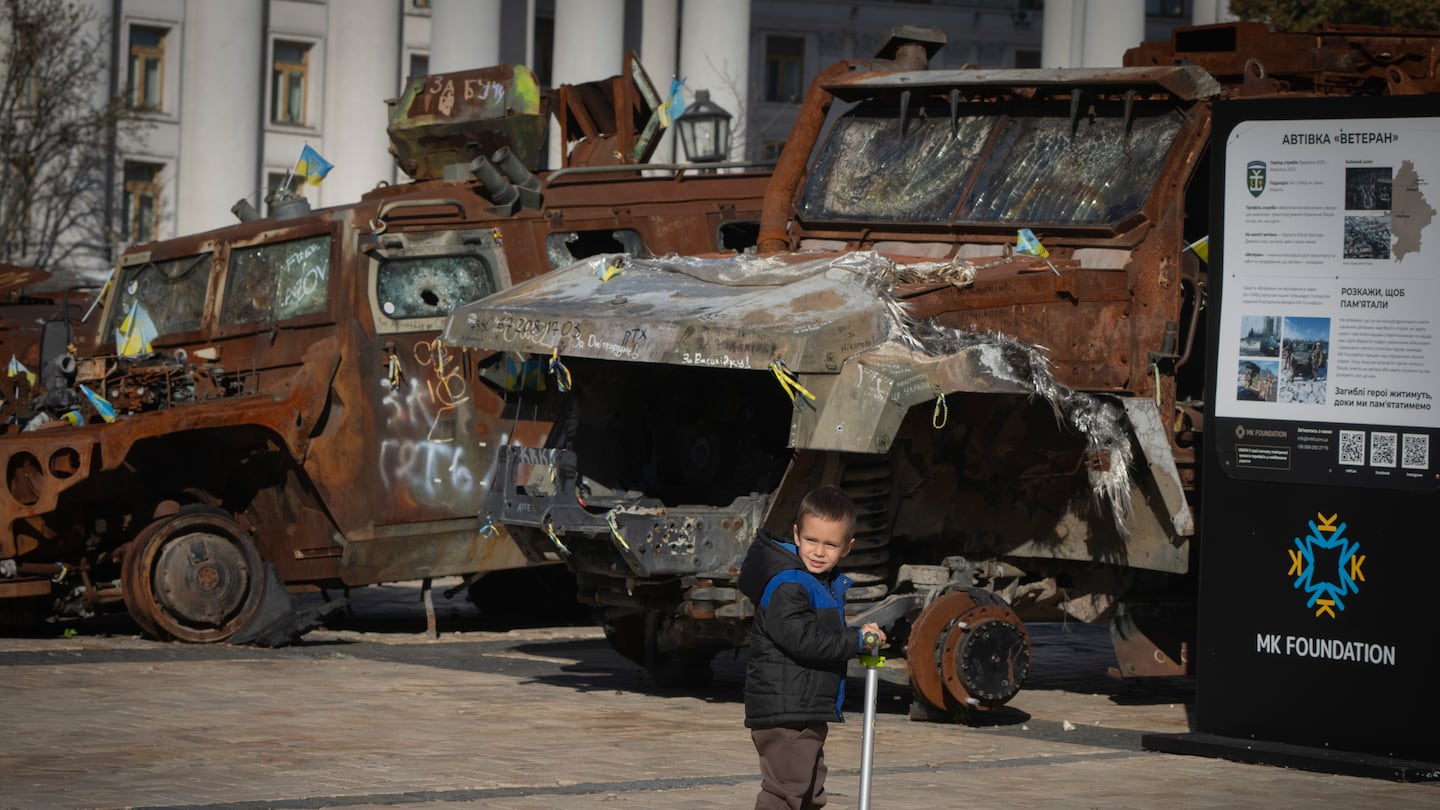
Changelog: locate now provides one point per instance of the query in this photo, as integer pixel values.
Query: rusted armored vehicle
(269, 406)
(24, 314)
(974, 307)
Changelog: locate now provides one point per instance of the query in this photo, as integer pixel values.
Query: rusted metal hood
(860, 359)
(1188, 83)
(739, 312)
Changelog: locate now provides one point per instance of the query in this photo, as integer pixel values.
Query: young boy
(799, 646)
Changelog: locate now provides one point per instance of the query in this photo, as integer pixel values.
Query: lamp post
(704, 130)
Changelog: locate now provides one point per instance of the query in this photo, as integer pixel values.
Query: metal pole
(872, 664)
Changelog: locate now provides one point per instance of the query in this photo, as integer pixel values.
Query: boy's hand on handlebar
(872, 627)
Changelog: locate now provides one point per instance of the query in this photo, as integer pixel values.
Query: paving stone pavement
(369, 713)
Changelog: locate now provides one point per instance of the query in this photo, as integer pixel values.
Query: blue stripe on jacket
(821, 597)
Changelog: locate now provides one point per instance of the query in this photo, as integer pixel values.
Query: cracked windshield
(993, 169)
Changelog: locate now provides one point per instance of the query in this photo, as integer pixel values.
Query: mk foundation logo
(1327, 565)
(1255, 177)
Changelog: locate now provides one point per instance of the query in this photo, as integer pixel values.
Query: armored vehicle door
(434, 427)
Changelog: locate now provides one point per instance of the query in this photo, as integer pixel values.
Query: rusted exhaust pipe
(526, 183)
(497, 189)
(244, 211)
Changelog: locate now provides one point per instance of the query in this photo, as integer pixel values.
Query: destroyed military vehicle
(269, 406)
(975, 308)
(24, 313)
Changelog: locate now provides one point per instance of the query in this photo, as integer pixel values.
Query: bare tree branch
(57, 130)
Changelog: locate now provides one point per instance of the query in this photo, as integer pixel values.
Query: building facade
(232, 92)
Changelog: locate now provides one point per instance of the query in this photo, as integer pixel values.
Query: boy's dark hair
(829, 503)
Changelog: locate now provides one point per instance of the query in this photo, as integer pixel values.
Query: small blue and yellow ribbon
(489, 528)
(1028, 244)
(789, 384)
(941, 415)
(615, 529)
(611, 267)
(394, 373)
(1201, 248)
(555, 538)
(562, 374)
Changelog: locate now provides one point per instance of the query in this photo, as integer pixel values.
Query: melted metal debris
(1099, 420)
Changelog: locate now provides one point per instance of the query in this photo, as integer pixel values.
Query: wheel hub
(968, 649)
(201, 578)
(988, 660)
(193, 576)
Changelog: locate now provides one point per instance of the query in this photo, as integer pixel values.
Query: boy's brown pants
(792, 766)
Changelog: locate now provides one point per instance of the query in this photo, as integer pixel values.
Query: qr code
(1382, 449)
(1352, 447)
(1415, 452)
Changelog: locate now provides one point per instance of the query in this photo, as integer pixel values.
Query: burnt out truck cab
(270, 406)
(975, 308)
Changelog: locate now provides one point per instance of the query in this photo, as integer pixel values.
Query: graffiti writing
(721, 361)
(419, 452)
(483, 90)
(512, 327)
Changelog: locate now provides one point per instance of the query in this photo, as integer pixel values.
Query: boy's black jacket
(799, 644)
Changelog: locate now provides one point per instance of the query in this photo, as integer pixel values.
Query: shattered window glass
(431, 286)
(869, 172)
(1040, 173)
(277, 281)
(1035, 172)
(170, 294)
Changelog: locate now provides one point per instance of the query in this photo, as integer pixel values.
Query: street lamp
(704, 130)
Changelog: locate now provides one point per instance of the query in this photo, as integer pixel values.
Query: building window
(1165, 8)
(420, 3)
(142, 201)
(419, 65)
(147, 67)
(1027, 58)
(288, 81)
(770, 150)
(784, 68)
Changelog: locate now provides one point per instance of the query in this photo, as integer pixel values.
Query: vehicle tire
(193, 576)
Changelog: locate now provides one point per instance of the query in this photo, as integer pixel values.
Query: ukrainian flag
(674, 105)
(1027, 243)
(101, 404)
(1201, 247)
(311, 166)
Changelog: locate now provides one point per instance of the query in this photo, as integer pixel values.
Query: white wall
(465, 34)
(362, 63)
(1091, 33)
(715, 56)
(1209, 12)
(659, 43)
(219, 149)
(589, 45)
